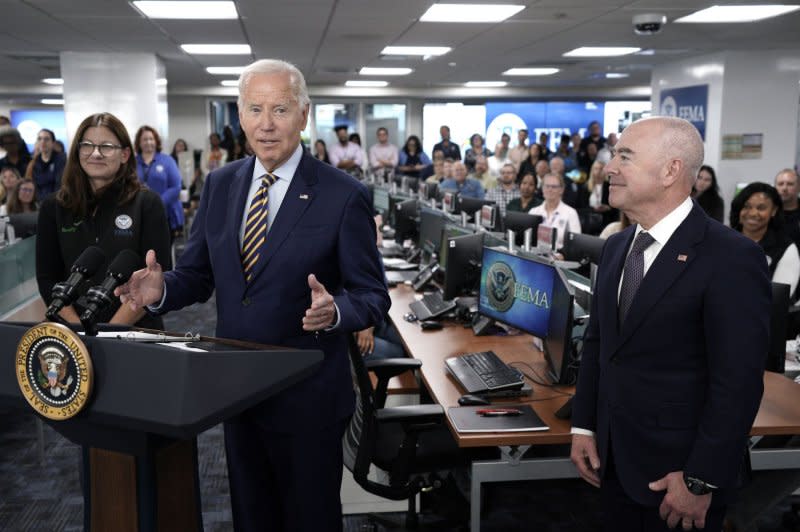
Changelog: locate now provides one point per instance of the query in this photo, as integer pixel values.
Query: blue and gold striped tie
(255, 228)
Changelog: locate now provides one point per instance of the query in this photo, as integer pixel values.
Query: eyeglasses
(26, 189)
(86, 148)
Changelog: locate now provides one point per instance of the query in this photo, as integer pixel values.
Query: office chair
(410, 443)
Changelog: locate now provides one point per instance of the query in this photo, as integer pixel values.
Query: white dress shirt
(661, 233)
(564, 218)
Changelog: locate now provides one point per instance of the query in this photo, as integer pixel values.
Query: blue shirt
(163, 177)
(470, 188)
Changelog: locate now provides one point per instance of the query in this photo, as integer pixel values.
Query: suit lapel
(237, 196)
(297, 199)
(676, 255)
(615, 261)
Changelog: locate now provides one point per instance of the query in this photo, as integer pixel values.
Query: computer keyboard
(483, 371)
(431, 305)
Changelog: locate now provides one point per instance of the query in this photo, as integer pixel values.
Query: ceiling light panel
(216, 49)
(601, 51)
(416, 50)
(732, 14)
(225, 70)
(539, 71)
(470, 12)
(371, 71)
(485, 84)
(188, 10)
(366, 83)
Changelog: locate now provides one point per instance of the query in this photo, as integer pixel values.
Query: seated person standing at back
(461, 184)
(555, 212)
(527, 196)
(506, 190)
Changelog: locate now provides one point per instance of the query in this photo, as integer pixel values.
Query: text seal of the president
(54, 370)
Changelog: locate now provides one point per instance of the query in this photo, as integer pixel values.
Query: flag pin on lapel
(304, 196)
(682, 257)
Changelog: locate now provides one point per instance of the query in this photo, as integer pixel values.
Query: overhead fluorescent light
(52, 101)
(370, 71)
(53, 81)
(485, 84)
(187, 10)
(601, 51)
(728, 14)
(229, 82)
(470, 12)
(366, 83)
(225, 70)
(616, 75)
(216, 49)
(538, 71)
(425, 51)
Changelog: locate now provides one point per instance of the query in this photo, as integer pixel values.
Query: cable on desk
(538, 380)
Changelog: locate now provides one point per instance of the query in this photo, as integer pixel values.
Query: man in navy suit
(672, 369)
(317, 278)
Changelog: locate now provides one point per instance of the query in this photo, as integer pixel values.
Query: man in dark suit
(288, 243)
(671, 373)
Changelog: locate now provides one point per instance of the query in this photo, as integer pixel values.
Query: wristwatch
(697, 486)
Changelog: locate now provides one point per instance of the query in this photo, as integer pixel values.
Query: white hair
(276, 66)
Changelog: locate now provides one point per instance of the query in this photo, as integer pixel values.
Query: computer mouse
(471, 400)
(430, 325)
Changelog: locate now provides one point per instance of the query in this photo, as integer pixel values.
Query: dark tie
(255, 228)
(634, 272)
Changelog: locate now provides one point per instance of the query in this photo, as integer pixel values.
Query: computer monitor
(519, 222)
(24, 223)
(449, 202)
(427, 190)
(380, 200)
(583, 248)
(471, 205)
(406, 214)
(464, 255)
(778, 323)
(533, 296)
(557, 344)
(450, 230)
(431, 223)
(489, 217)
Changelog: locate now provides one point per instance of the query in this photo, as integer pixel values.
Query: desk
(779, 412)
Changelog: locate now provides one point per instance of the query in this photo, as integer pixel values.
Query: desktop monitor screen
(405, 219)
(546, 238)
(431, 223)
(583, 248)
(428, 190)
(449, 202)
(521, 221)
(516, 290)
(380, 200)
(450, 230)
(464, 261)
(471, 205)
(488, 217)
(557, 345)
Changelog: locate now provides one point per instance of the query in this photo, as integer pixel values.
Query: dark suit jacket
(677, 385)
(325, 227)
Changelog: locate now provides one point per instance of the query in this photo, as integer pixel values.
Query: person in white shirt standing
(383, 155)
(346, 155)
(555, 212)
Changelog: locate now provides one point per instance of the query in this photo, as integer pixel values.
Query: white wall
(188, 120)
(749, 92)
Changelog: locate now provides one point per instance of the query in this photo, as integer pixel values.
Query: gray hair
(682, 141)
(276, 66)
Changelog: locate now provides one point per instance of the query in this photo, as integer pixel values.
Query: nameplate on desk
(468, 419)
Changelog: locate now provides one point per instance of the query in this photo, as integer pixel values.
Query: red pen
(492, 412)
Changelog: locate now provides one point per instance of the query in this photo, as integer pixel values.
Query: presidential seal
(500, 285)
(54, 371)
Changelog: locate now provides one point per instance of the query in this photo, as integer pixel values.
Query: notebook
(465, 419)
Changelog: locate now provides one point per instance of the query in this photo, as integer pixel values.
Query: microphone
(65, 293)
(99, 297)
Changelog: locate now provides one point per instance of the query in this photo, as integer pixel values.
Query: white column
(130, 86)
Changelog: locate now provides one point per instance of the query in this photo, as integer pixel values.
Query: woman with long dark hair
(411, 159)
(101, 203)
(757, 213)
(706, 193)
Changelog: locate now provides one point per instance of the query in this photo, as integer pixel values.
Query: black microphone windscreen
(124, 264)
(90, 261)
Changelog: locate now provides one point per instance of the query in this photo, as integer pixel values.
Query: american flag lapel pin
(682, 257)
(304, 196)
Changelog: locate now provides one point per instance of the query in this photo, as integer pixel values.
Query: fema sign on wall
(689, 103)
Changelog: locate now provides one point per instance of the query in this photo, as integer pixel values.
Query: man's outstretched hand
(145, 287)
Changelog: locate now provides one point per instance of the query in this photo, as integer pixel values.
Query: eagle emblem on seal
(53, 371)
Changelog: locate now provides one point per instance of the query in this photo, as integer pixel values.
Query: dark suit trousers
(623, 514)
(284, 482)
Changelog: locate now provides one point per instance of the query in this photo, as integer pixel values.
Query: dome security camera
(648, 23)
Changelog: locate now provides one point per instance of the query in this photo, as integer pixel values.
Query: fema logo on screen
(669, 107)
(500, 284)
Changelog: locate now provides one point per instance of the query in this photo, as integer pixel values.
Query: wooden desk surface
(779, 412)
